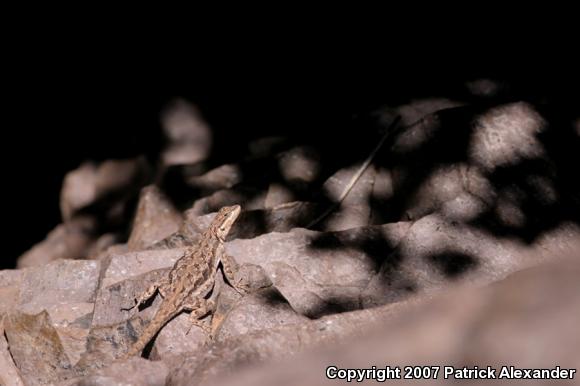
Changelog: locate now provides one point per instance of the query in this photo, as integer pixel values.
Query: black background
(69, 103)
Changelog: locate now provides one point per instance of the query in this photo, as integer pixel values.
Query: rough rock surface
(189, 136)
(458, 198)
(495, 320)
(248, 198)
(9, 374)
(355, 209)
(156, 218)
(135, 371)
(65, 292)
(92, 183)
(71, 240)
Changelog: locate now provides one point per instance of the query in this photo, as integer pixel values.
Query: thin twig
(357, 175)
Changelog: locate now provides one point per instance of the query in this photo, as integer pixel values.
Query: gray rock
(463, 193)
(66, 291)
(299, 166)
(248, 198)
(355, 210)
(102, 245)
(114, 328)
(505, 135)
(125, 277)
(228, 356)
(36, 348)
(9, 373)
(260, 310)
(177, 338)
(266, 146)
(278, 194)
(156, 218)
(414, 111)
(10, 281)
(222, 177)
(90, 183)
(56, 284)
(485, 87)
(79, 189)
(320, 273)
(188, 134)
(496, 321)
(251, 223)
(72, 240)
(134, 371)
(437, 251)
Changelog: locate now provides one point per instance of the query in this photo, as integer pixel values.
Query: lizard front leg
(160, 285)
(230, 267)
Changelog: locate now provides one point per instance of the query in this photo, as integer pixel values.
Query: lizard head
(224, 220)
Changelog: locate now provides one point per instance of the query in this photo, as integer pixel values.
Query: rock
(414, 111)
(461, 192)
(266, 146)
(57, 284)
(495, 319)
(126, 276)
(105, 344)
(500, 185)
(66, 291)
(90, 184)
(10, 281)
(248, 198)
(9, 374)
(78, 189)
(383, 191)
(222, 177)
(177, 338)
(252, 223)
(225, 357)
(355, 210)
(485, 87)
(36, 348)
(156, 218)
(134, 371)
(320, 273)
(278, 194)
(260, 310)
(71, 240)
(189, 136)
(506, 135)
(299, 166)
(101, 245)
(436, 251)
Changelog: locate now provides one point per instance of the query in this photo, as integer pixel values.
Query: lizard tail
(149, 333)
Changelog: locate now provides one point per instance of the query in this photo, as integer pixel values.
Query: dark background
(63, 107)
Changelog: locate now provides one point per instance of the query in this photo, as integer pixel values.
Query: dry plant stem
(357, 175)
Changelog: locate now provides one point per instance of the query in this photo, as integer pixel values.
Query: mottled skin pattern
(191, 279)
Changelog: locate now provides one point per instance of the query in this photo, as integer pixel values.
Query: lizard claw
(130, 308)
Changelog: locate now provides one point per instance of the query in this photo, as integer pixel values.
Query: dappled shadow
(435, 167)
(452, 264)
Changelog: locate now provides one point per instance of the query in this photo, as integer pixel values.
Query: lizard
(191, 280)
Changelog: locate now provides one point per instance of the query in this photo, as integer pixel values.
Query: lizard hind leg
(200, 308)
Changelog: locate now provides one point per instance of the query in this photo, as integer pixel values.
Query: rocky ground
(450, 249)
